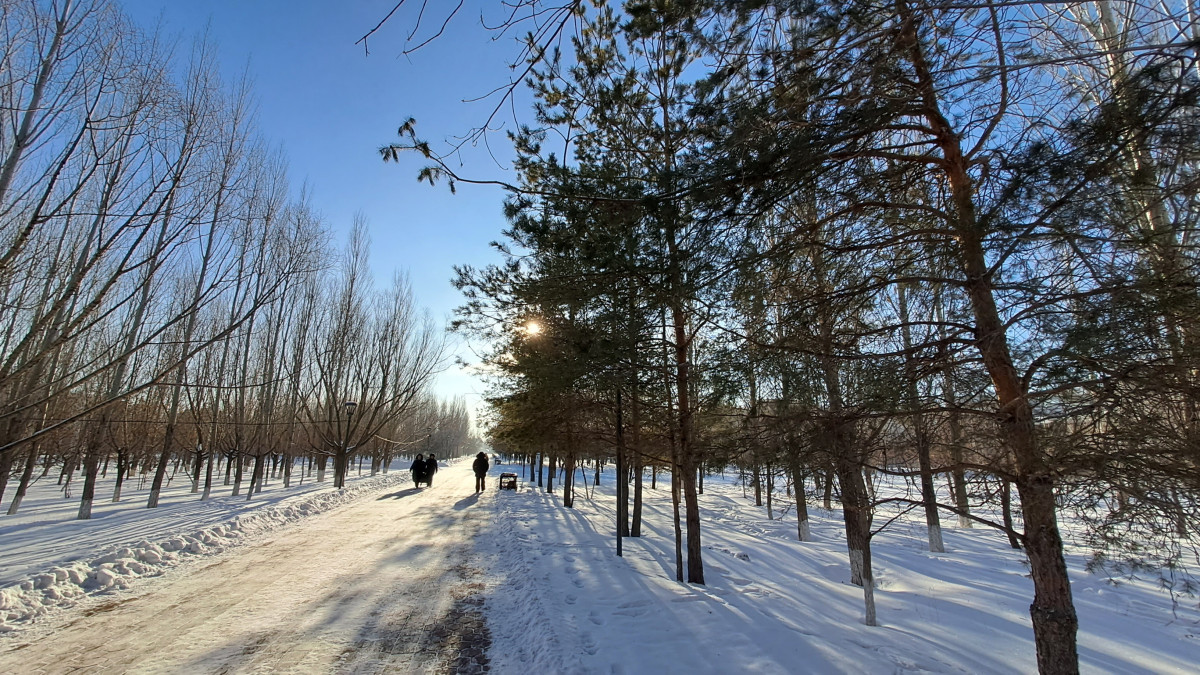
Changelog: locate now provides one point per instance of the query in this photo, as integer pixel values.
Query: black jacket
(480, 466)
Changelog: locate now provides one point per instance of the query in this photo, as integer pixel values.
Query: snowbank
(118, 567)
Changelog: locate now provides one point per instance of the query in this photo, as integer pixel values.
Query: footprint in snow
(589, 645)
(571, 599)
(595, 618)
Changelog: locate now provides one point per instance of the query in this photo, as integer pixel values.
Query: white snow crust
(559, 600)
(50, 561)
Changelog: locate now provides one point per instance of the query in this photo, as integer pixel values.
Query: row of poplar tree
(946, 241)
(167, 300)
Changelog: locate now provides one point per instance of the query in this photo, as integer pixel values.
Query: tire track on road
(384, 584)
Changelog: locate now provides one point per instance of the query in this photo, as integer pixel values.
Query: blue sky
(330, 107)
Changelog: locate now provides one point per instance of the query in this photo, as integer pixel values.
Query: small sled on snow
(508, 481)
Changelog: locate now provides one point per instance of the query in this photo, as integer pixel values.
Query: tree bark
(635, 527)
(933, 523)
(1006, 513)
(622, 485)
(26, 477)
(803, 531)
(1055, 623)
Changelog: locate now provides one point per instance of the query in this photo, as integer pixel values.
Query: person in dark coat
(430, 469)
(480, 466)
(418, 470)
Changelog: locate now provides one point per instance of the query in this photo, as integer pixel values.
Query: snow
(359, 588)
(559, 600)
(49, 560)
(374, 579)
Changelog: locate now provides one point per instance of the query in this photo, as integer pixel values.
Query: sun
(532, 328)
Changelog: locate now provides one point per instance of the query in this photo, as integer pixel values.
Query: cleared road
(381, 585)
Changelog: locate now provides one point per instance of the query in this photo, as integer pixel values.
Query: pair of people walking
(423, 469)
(480, 467)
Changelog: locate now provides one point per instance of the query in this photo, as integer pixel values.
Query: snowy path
(381, 585)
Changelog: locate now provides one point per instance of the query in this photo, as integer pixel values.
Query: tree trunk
(569, 480)
(803, 532)
(959, 476)
(770, 473)
(256, 476)
(1006, 513)
(164, 458)
(341, 461)
(695, 563)
(26, 478)
(756, 482)
(5, 467)
(961, 504)
(856, 513)
(933, 523)
(91, 470)
(675, 513)
(237, 475)
(68, 472)
(208, 473)
(124, 462)
(635, 528)
(1055, 623)
(622, 485)
(197, 466)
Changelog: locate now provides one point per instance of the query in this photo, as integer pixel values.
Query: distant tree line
(168, 305)
(953, 243)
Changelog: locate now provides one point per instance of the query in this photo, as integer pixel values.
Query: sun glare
(532, 328)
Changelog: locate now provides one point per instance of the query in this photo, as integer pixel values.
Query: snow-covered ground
(559, 600)
(50, 560)
(388, 578)
(381, 584)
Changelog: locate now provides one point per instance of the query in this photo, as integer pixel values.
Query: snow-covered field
(559, 600)
(355, 586)
(378, 585)
(49, 560)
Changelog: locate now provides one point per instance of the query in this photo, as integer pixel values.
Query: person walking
(430, 469)
(480, 466)
(418, 470)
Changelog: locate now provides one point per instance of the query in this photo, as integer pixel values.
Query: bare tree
(372, 357)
